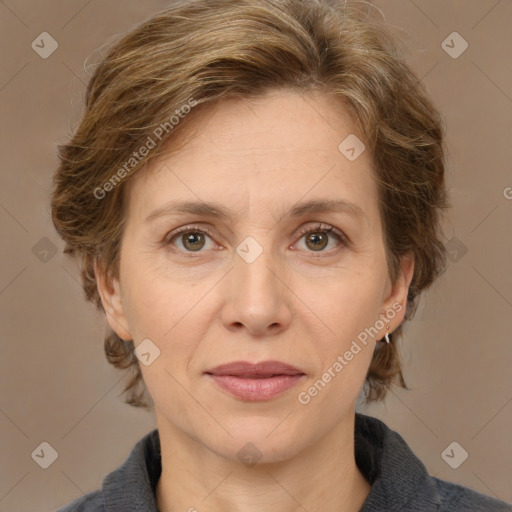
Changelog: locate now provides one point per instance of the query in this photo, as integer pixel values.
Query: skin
(295, 303)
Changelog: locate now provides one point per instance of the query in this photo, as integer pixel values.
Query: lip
(255, 381)
(255, 370)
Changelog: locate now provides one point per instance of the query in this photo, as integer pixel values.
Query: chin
(258, 453)
(256, 440)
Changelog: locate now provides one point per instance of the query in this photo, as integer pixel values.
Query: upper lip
(262, 369)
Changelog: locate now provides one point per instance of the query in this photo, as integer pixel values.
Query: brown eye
(192, 239)
(317, 241)
(317, 237)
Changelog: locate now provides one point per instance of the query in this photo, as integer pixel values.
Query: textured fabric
(399, 481)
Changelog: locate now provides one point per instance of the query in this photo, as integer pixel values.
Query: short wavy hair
(205, 51)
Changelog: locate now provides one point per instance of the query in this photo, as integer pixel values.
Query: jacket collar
(396, 475)
(132, 487)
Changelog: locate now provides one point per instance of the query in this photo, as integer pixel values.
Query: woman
(255, 190)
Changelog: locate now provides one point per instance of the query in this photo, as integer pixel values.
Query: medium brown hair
(197, 53)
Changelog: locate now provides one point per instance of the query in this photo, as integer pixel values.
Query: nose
(257, 295)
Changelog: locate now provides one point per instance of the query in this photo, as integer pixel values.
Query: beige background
(56, 385)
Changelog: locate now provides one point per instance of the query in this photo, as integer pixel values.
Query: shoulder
(92, 502)
(400, 481)
(455, 497)
(129, 487)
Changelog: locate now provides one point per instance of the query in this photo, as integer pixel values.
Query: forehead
(262, 155)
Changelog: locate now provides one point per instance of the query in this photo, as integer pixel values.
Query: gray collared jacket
(399, 480)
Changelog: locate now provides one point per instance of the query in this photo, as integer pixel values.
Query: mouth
(255, 381)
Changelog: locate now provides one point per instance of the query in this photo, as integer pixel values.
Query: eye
(317, 237)
(193, 238)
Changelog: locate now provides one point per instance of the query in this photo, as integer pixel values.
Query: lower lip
(256, 389)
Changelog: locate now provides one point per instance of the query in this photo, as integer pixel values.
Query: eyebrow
(216, 210)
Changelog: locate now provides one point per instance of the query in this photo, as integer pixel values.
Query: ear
(110, 294)
(396, 300)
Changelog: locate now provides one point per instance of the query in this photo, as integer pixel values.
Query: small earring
(386, 336)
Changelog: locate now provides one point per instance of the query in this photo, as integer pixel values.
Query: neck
(196, 479)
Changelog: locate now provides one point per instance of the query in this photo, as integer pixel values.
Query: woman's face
(251, 286)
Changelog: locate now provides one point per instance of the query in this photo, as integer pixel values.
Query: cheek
(154, 304)
(344, 349)
(353, 302)
(345, 344)
(164, 311)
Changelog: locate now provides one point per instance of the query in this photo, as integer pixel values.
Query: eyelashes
(325, 230)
